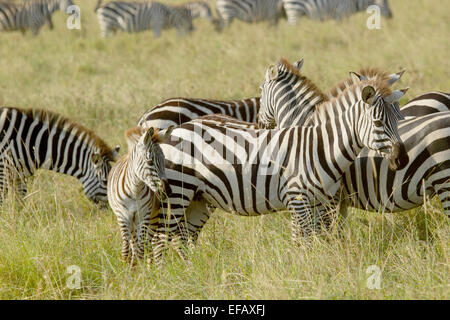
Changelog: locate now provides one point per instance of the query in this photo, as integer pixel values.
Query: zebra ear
(367, 94)
(272, 72)
(298, 64)
(168, 132)
(356, 77)
(394, 77)
(395, 95)
(96, 159)
(149, 135)
(115, 153)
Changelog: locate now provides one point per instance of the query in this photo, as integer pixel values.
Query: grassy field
(107, 84)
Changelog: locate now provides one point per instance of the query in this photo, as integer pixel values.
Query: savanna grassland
(107, 84)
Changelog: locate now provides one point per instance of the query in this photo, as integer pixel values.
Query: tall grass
(108, 84)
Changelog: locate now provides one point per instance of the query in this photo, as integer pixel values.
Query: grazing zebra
(131, 188)
(427, 103)
(38, 139)
(336, 9)
(30, 14)
(176, 111)
(140, 16)
(253, 172)
(369, 181)
(248, 11)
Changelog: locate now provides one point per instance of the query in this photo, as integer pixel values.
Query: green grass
(107, 84)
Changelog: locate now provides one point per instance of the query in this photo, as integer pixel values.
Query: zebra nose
(399, 157)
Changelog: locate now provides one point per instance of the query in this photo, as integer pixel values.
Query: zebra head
(385, 10)
(96, 177)
(200, 9)
(284, 88)
(379, 126)
(150, 162)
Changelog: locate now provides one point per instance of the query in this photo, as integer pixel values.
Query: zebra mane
(288, 67)
(369, 72)
(132, 135)
(56, 120)
(380, 86)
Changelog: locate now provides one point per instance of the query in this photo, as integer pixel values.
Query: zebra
(176, 111)
(248, 11)
(254, 172)
(369, 181)
(140, 16)
(131, 190)
(337, 9)
(32, 139)
(30, 15)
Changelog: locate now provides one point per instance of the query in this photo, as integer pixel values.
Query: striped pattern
(196, 9)
(248, 11)
(176, 111)
(427, 103)
(369, 180)
(264, 170)
(326, 9)
(32, 14)
(131, 190)
(140, 16)
(38, 139)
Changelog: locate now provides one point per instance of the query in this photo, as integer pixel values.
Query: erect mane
(381, 87)
(369, 72)
(56, 120)
(311, 86)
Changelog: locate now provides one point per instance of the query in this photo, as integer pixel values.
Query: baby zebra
(38, 139)
(30, 14)
(334, 9)
(131, 187)
(253, 172)
(140, 16)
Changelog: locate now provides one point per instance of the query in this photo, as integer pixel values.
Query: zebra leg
(124, 225)
(50, 22)
(303, 224)
(443, 193)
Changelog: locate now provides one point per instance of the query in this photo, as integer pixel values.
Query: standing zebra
(253, 172)
(38, 139)
(336, 9)
(369, 181)
(131, 190)
(30, 14)
(140, 16)
(248, 11)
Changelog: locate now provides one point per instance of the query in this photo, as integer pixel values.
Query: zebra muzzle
(399, 157)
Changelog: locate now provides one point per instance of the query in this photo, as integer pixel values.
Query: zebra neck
(134, 184)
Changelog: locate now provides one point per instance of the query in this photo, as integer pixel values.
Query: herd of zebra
(156, 16)
(293, 148)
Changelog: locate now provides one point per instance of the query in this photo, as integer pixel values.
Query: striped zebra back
(330, 9)
(39, 139)
(427, 103)
(176, 111)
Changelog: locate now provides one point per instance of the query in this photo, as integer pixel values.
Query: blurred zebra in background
(30, 14)
(248, 11)
(38, 139)
(334, 9)
(140, 16)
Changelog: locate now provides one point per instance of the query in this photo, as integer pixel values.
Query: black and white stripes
(30, 14)
(140, 16)
(335, 9)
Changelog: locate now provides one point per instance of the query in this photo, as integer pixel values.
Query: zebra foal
(132, 190)
(38, 139)
(30, 14)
